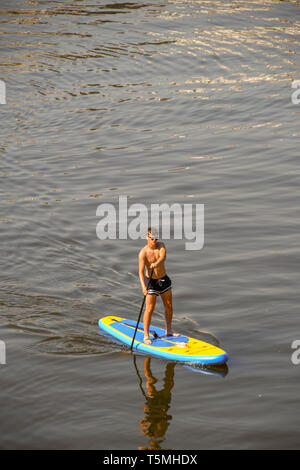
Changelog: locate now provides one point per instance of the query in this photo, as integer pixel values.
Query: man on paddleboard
(153, 256)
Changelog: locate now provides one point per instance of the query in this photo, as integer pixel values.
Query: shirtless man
(153, 256)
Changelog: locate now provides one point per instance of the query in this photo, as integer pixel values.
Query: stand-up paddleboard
(179, 348)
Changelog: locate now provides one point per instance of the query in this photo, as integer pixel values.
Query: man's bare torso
(151, 256)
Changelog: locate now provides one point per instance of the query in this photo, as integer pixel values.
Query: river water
(162, 101)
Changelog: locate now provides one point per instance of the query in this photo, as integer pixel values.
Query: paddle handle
(143, 303)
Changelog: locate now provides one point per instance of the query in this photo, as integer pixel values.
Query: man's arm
(162, 256)
(141, 271)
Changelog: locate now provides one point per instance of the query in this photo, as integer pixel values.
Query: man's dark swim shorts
(159, 286)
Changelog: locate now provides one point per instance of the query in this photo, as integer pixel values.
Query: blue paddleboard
(179, 348)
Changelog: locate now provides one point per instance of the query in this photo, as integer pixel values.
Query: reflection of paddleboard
(219, 370)
(179, 348)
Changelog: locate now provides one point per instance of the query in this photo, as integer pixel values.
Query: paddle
(151, 273)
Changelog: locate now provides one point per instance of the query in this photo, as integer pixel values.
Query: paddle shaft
(137, 323)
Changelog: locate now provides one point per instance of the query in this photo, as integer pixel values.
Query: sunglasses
(152, 238)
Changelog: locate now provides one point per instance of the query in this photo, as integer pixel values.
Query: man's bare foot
(147, 340)
(171, 333)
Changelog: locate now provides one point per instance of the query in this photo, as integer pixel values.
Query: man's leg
(150, 304)
(168, 305)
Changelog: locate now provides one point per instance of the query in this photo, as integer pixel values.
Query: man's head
(152, 234)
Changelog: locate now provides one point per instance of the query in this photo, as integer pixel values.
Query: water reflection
(217, 370)
(156, 421)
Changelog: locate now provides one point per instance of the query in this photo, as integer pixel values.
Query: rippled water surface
(184, 101)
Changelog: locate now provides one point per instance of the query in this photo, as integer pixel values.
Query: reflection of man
(156, 421)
